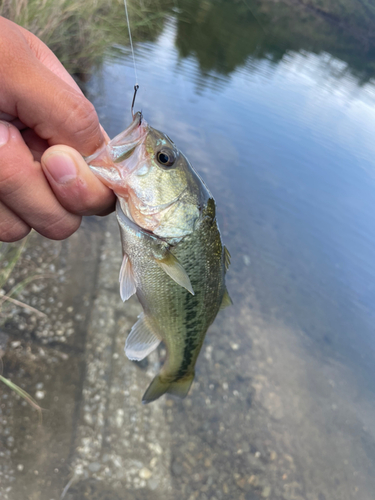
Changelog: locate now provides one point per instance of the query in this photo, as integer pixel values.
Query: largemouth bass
(173, 256)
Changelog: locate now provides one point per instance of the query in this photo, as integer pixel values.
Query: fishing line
(136, 86)
(131, 41)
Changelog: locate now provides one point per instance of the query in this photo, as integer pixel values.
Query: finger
(78, 190)
(12, 228)
(13, 120)
(36, 145)
(6, 117)
(58, 112)
(48, 58)
(25, 190)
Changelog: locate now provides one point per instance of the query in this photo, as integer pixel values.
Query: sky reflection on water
(302, 129)
(279, 119)
(288, 150)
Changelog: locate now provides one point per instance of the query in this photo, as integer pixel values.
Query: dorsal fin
(226, 258)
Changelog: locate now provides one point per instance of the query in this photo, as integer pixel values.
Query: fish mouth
(121, 147)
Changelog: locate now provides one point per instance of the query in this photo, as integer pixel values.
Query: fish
(173, 256)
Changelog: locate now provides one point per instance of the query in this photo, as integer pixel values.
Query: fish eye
(166, 157)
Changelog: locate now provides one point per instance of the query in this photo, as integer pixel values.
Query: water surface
(274, 105)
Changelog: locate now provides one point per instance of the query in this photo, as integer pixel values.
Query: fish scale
(174, 258)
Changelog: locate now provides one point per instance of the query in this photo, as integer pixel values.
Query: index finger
(55, 109)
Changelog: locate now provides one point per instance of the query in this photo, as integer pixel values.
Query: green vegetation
(9, 258)
(23, 394)
(205, 29)
(356, 16)
(10, 255)
(343, 28)
(79, 32)
(268, 29)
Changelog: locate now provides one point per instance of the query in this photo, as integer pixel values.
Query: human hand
(46, 124)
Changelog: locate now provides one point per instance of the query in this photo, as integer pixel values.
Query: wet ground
(283, 404)
(266, 418)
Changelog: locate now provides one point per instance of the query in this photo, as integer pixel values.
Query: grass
(79, 32)
(23, 394)
(9, 258)
(10, 255)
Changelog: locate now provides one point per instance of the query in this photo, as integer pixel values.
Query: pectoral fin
(141, 340)
(174, 269)
(227, 301)
(126, 279)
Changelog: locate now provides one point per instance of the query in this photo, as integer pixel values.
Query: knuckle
(60, 227)
(82, 122)
(81, 109)
(13, 231)
(17, 166)
(10, 182)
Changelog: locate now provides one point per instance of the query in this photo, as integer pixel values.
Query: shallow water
(283, 407)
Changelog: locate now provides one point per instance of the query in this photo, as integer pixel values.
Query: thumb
(77, 189)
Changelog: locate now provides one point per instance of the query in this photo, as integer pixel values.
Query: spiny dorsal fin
(126, 279)
(174, 269)
(227, 301)
(141, 340)
(226, 258)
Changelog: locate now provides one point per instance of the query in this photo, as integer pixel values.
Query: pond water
(280, 123)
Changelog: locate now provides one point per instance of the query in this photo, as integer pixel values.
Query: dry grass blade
(6, 298)
(23, 394)
(5, 275)
(20, 286)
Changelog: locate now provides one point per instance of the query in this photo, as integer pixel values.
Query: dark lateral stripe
(192, 340)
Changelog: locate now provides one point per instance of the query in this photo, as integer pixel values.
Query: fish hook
(136, 87)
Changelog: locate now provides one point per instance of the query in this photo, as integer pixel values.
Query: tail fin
(157, 388)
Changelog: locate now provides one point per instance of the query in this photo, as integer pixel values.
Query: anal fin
(141, 340)
(158, 387)
(126, 279)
